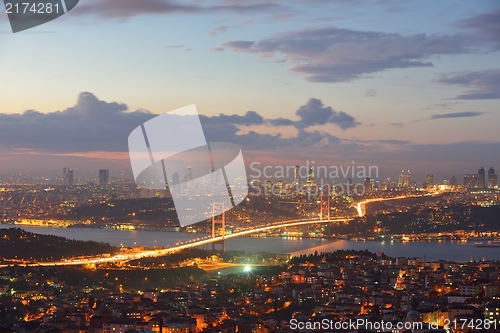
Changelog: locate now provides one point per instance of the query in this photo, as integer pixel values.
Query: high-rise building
(296, 175)
(310, 176)
(407, 179)
(469, 180)
(175, 178)
(492, 178)
(481, 181)
(368, 185)
(404, 180)
(453, 181)
(68, 177)
(401, 179)
(429, 181)
(103, 176)
(388, 184)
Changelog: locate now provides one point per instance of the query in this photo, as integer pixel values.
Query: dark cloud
(314, 113)
(341, 55)
(281, 122)
(465, 114)
(223, 28)
(239, 44)
(90, 125)
(217, 49)
(397, 124)
(393, 142)
(375, 142)
(486, 26)
(250, 118)
(482, 84)
(441, 106)
(95, 125)
(125, 9)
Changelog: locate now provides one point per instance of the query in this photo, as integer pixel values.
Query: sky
(391, 83)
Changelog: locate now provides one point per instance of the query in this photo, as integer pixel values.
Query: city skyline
(296, 176)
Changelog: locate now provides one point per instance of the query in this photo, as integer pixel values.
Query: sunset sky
(413, 84)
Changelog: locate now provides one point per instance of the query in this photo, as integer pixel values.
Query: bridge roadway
(161, 252)
(360, 207)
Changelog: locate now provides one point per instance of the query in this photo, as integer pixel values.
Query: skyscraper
(401, 179)
(296, 175)
(492, 178)
(407, 179)
(468, 180)
(368, 185)
(481, 174)
(103, 176)
(68, 177)
(175, 178)
(388, 184)
(310, 177)
(453, 181)
(429, 181)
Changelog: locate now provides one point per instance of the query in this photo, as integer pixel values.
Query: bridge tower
(324, 209)
(324, 206)
(219, 219)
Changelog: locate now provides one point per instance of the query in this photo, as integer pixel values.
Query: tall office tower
(368, 185)
(468, 180)
(407, 179)
(175, 178)
(474, 180)
(492, 178)
(68, 177)
(310, 176)
(103, 176)
(296, 175)
(388, 184)
(481, 181)
(429, 181)
(401, 179)
(453, 181)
